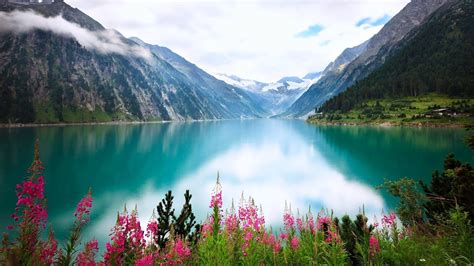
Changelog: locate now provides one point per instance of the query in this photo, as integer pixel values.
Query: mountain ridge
(334, 82)
(435, 57)
(101, 77)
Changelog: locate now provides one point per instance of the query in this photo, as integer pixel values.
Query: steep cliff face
(71, 69)
(370, 58)
(346, 57)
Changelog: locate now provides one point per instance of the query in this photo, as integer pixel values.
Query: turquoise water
(271, 160)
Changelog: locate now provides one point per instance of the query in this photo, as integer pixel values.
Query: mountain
(293, 79)
(313, 75)
(247, 84)
(347, 56)
(59, 65)
(435, 57)
(370, 58)
(229, 95)
(274, 97)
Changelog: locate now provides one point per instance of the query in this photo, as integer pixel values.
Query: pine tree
(165, 214)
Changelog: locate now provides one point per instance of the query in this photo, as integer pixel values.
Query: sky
(262, 40)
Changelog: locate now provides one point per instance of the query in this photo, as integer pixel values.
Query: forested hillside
(437, 56)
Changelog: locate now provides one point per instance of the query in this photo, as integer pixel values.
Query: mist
(105, 41)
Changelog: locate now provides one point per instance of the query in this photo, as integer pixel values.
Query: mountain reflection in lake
(271, 160)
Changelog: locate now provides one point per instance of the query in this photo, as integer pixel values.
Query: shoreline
(30, 125)
(389, 124)
(62, 124)
(311, 122)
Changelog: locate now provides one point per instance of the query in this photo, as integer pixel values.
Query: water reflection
(271, 160)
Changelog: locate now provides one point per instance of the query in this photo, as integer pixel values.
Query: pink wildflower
(283, 236)
(310, 224)
(152, 228)
(248, 236)
(181, 250)
(332, 237)
(289, 221)
(374, 246)
(323, 222)
(83, 208)
(216, 200)
(49, 250)
(389, 220)
(206, 229)
(30, 210)
(294, 242)
(276, 246)
(299, 223)
(127, 239)
(249, 217)
(231, 223)
(87, 256)
(145, 261)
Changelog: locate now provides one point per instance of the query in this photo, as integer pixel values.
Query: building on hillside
(441, 112)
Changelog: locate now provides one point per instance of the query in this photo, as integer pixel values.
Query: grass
(45, 114)
(84, 115)
(407, 111)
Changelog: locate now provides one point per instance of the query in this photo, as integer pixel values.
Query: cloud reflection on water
(282, 168)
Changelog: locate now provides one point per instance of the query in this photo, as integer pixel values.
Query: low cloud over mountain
(105, 41)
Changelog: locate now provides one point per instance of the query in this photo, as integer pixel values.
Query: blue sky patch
(311, 31)
(324, 43)
(374, 21)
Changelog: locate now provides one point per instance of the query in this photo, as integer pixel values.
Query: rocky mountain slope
(370, 58)
(59, 65)
(435, 57)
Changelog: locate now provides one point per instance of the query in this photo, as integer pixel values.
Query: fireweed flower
(374, 246)
(310, 224)
(276, 246)
(249, 216)
(181, 250)
(30, 211)
(299, 223)
(289, 221)
(30, 196)
(389, 220)
(145, 261)
(206, 229)
(87, 256)
(332, 237)
(294, 243)
(216, 198)
(152, 230)
(127, 239)
(84, 208)
(323, 222)
(231, 223)
(49, 250)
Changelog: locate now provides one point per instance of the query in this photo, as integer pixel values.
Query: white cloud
(106, 41)
(252, 39)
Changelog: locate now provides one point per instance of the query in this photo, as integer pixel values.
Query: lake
(333, 167)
